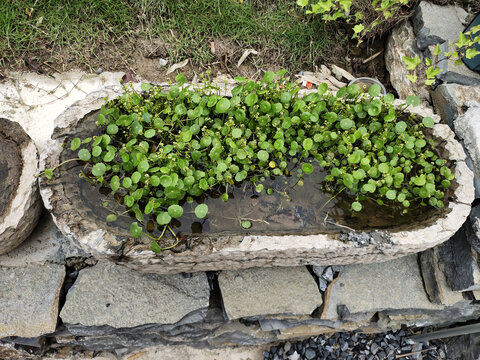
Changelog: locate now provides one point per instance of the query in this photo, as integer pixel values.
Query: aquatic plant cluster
(162, 149)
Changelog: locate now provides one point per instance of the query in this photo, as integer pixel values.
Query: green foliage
(331, 10)
(465, 47)
(179, 144)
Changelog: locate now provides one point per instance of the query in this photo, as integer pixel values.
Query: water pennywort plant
(161, 149)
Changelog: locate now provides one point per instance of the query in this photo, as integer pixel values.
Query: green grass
(279, 29)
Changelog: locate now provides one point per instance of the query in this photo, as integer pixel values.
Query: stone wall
(56, 294)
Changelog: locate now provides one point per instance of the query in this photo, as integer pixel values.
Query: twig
(372, 57)
(413, 353)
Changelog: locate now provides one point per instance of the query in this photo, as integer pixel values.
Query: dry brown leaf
(176, 66)
(245, 55)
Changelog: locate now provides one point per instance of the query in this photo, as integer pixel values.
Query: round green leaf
(428, 121)
(246, 224)
(201, 211)
(222, 106)
(84, 154)
(307, 144)
(374, 90)
(346, 124)
(269, 76)
(99, 169)
(114, 183)
(262, 155)
(135, 230)
(96, 151)
(356, 206)
(112, 129)
(111, 217)
(412, 100)
(400, 127)
(236, 133)
(307, 168)
(163, 218)
(149, 133)
(251, 99)
(175, 211)
(75, 144)
(143, 166)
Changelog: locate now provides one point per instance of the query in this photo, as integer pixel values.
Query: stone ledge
(29, 299)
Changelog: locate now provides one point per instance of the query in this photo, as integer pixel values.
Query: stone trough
(217, 252)
(20, 203)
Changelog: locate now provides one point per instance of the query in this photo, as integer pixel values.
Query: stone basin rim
(244, 251)
(24, 204)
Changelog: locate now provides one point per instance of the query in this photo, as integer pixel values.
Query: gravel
(350, 346)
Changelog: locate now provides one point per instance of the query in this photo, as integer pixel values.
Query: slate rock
(456, 259)
(429, 30)
(366, 288)
(438, 291)
(108, 294)
(268, 291)
(400, 43)
(29, 299)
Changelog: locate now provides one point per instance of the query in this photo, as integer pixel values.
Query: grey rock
(328, 274)
(112, 295)
(46, 243)
(322, 284)
(429, 30)
(268, 291)
(395, 284)
(457, 261)
(467, 127)
(402, 42)
(438, 291)
(476, 180)
(450, 99)
(30, 296)
(318, 270)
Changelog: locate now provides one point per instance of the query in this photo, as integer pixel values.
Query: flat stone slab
(218, 251)
(268, 291)
(108, 294)
(391, 285)
(29, 299)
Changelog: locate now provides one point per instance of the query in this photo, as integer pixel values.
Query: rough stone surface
(45, 244)
(402, 43)
(107, 294)
(395, 284)
(450, 100)
(264, 291)
(20, 204)
(29, 299)
(429, 30)
(467, 127)
(434, 280)
(457, 261)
